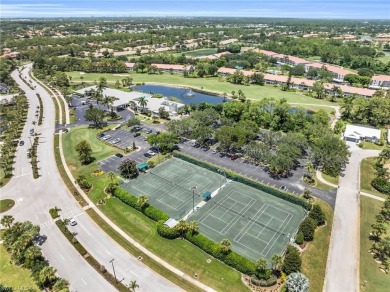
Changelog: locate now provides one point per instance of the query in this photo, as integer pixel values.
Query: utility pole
(193, 198)
(112, 263)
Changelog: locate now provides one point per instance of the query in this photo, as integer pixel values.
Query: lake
(185, 96)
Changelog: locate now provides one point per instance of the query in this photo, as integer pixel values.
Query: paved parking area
(294, 184)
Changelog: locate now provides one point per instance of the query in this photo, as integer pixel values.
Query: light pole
(193, 198)
(112, 263)
(221, 171)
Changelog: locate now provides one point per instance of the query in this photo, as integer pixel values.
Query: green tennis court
(256, 223)
(169, 186)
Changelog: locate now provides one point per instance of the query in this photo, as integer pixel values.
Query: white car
(151, 152)
(117, 140)
(72, 222)
(106, 137)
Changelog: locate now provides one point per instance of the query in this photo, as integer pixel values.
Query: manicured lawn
(201, 52)
(179, 253)
(369, 145)
(331, 179)
(315, 256)
(369, 269)
(6, 205)
(212, 84)
(321, 186)
(14, 276)
(367, 174)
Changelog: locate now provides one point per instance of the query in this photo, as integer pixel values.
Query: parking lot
(292, 184)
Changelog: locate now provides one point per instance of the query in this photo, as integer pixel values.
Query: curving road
(34, 197)
(342, 273)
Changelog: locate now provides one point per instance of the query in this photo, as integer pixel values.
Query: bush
(264, 283)
(381, 184)
(292, 261)
(166, 232)
(236, 177)
(299, 238)
(307, 227)
(317, 215)
(54, 212)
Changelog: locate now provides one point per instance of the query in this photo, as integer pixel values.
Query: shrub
(166, 232)
(264, 283)
(299, 238)
(381, 184)
(307, 227)
(297, 282)
(292, 261)
(54, 212)
(318, 215)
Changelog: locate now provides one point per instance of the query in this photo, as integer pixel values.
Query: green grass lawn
(321, 186)
(369, 270)
(201, 52)
(212, 84)
(367, 174)
(14, 276)
(179, 253)
(369, 145)
(314, 258)
(6, 205)
(331, 179)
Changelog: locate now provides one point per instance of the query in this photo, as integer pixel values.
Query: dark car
(146, 154)
(137, 128)
(148, 131)
(206, 148)
(21, 143)
(137, 134)
(119, 155)
(221, 154)
(234, 157)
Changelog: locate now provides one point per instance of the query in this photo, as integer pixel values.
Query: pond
(186, 96)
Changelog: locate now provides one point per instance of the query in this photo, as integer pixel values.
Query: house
(338, 72)
(130, 66)
(171, 68)
(349, 90)
(358, 133)
(290, 60)
(223, 71)
(214, 56)
(380, 82)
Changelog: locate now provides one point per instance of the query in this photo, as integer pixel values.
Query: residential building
(290, 60)
(338, 72)
(171, 68)
(380, 82)
(358, 133)
(130, 66)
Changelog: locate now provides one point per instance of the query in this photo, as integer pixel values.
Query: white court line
(277, 232)
(245, 229)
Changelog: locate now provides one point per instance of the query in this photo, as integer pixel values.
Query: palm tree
(182, 227)
(143, 102)
(111, 176)
(132, 105)
(142, 200)
(224, 96)
(225, 245)
(133, 285)
(47, 275)
(277, 262)
(7, 221)
(193, 227)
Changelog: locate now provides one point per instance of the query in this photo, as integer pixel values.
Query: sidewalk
(122, 233)
(372, 196)
(321, 179)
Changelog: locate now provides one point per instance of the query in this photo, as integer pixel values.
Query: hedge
(166, 232)
(232, 259)
(264, 283)
(149, 211)
(236, 177)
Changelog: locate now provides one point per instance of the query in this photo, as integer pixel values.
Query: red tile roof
(170, 66)
(381, 77)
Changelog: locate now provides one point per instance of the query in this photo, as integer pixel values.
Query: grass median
(367, 174)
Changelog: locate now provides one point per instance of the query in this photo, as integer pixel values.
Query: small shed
(206, 196)
(171, 222)
(143, 166)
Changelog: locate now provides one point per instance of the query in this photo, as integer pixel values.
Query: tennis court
(169, 186)
(256, 223)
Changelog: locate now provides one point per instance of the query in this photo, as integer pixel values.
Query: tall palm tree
(142, 200)
(47, 275)
(143, 102)
(133, 285)
(277, 262)
(225, 245)
(7, 221)
(193, 227)
(111, 176)
(182, 227)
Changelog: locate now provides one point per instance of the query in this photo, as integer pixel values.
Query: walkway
(321, 179)
(372, 196)
(342, 273)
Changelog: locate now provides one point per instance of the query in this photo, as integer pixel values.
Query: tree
(299, 239)
(133, 285)
(165, 141)
(142, 201)
(378, 229)
(84, 151)
(182, 228)
(297, 282)
(31, 255)
(277, 262)
(298, 70)
(128, 169)
(61, 285)
(193, 227)
(317, 214)
(261, 265)
(319, 89)
(258, 78)
(202, 134)
(163, 113)
(292, 261)
(94, 115)
(47, 276)
(143, 102)
(111, 175)
(7, 221)
(308, 227)
(225, 245)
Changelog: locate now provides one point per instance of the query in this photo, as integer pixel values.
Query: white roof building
(357, 133)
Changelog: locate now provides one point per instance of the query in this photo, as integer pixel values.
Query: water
(186, 96)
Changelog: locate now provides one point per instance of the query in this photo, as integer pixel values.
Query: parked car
(148, 131)
(154, 149)
(72, 222)
(101, 135)
(206, 148)
(117, 140)
(137, 128)
(221, 154)
(146, 154)
(215, 151)
(106, 137)
(21, 143)
(119, 155)
(283, 188)
(234, 157)
(137, 134)
(151, 152)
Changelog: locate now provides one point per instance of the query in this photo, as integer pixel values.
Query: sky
(334, 9)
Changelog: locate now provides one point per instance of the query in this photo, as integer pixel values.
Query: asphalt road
(342, 274)
(34, 198)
